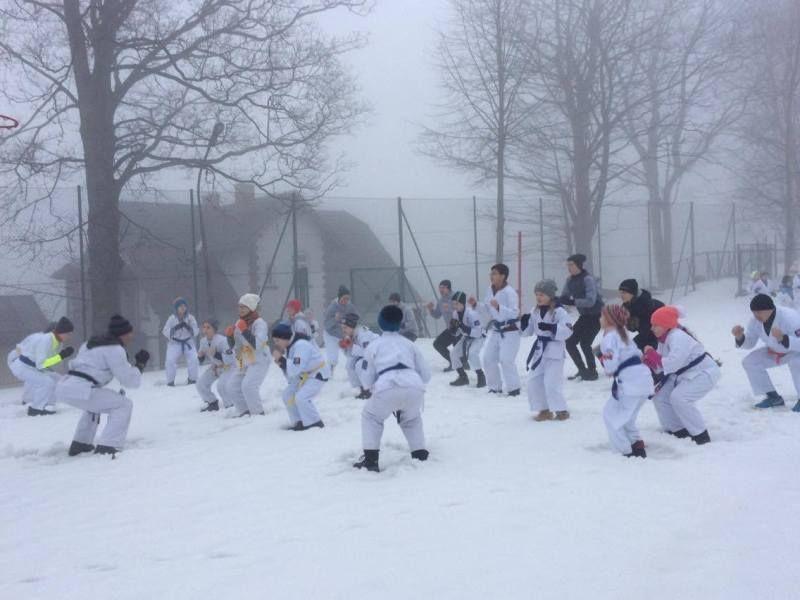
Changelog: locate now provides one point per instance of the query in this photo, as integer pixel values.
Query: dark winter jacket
(581, 291)
(640, 310)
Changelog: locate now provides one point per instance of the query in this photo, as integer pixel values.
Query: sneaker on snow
(300, 427)
(680, 434)
(448, 370)
(171, 384)
(513, 393)
(35, 412)
(577, 376)
(562, 415)
(191, 382)
(76, 448)
(105, 450)
(420, 455)
(210, 407)
(771, 401)
(544, 415)
(701, 438)
(637, 450)
(481, 379)
(796, 407)
(491, 391)
(590, 375)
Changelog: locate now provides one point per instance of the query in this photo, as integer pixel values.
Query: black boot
(35, 412)
(210, 407)
(481, 378)
(244, 414)
(191, 382)
(590, 375)
(369, 461)
(364, 395)
(448, 370)
(462, 378)
(420, 455)
(105, 450)
(76, 448)
(637, 450)
(579, 376)
(701, 438)
(300, 427)
(681, 433)
(513, 393)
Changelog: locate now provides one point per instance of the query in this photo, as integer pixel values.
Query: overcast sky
(399, 80)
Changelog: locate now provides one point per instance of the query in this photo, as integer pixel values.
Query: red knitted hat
(294, 305)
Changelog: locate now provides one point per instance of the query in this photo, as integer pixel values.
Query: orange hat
(666, 317)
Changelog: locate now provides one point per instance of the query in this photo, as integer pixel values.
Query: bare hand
(777, 334)
(429, 305)
(737, 331)
(648, 349)
(276, 355)
(495, 304)
(472, 301)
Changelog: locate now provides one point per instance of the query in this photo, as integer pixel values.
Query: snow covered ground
(199, 506)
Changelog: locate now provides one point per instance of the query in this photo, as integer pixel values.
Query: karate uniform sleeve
(609, 346)
(590, 299)
(421, 366)
(792, 330)
(171, 322)
(193, 325)
(124, 372)
(680, 347)
(751, 334)
(563, 325)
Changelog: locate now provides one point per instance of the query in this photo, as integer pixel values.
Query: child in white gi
(306, 372)
(354, 343)
(779, 330)
(549, 322)
(467, 324)
(397, 374)
(181, 330)
(299, 321)
(98, 362)
(214, 351)
(250, 338)
(31, 362)
(684, 374)
(633, 383)
(502, 343)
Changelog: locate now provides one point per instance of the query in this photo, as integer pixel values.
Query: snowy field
(199, 506)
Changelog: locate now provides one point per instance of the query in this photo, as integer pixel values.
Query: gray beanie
(547, 287)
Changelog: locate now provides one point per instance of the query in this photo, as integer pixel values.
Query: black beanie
(282, 331)
(629, 285)
(119, 326)
(578, 259)
(343, 291)
(762, 302)
(460, 297)
(64, 325)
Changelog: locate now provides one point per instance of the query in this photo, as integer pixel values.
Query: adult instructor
(581, 291)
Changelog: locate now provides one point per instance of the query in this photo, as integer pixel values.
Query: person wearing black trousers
(443, 309)
(581, 291)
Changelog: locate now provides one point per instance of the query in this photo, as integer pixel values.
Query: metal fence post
(402, 250)
(541, 233)
(475, 235)
(194, 255)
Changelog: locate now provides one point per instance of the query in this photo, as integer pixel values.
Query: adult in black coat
(640, 305)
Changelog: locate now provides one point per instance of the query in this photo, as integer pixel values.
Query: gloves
(551, 327)
(141, 358)
(66, 352)
(652, 359)
(567, 300)
(524, 321)
(345, 343)
(242, 325)
(201, 358)
(218, 356)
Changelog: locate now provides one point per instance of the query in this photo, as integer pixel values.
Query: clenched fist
(777, 334)
(737, 331)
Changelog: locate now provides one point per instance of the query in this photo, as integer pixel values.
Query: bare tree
(484, 67)
(768, 160)
(689, 62)
(124, 89)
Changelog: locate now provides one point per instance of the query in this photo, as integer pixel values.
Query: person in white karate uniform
(181, 330)
(633, 383)
(467, 323)
(332, 333)
(355, 342)
(99, 361)
(499, 358)
(250, 347)
(397, 373)
(215, 351)
(306, 373)
(299, 321)
(778, 328)
(549, 322)
(684, 374)
(32, 361)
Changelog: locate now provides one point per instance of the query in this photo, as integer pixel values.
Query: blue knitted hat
(390, 318)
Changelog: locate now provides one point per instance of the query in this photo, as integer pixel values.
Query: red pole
(519, 267)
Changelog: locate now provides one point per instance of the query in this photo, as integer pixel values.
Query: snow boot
(637, 450)
(462, 379)
(772, 400)
(210, 406)
(106, 450)
(420, 455)
(701, 438)
(171, 384)
(577, 376)
(680, 434)
(364, 395)
(544, 415)
(191, 382)
(514, 393)
(448, 370)
(35, 412)
(491, 391)
(300, 427)
(481, 378)
(76, 448)
(562, 415)
(796, 407)
(369, 461)
(590, 375)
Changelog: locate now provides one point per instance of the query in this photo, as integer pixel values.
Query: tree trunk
(501, 216)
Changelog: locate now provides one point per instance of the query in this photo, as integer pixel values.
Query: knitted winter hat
(547, 287)
(343, 291)
(250, 301)
(390, 318)
(755, 275)
(502, 269)
(64, 325)
(629, 285)
(761, 302)
(213, 323)
(119, 326)
(282, 331)
(578, 259)
(180, 302)
(294, 305)
(460, 297)
(666, 317)
(351, 320)
(616, 314)
(395, 297)
(446, 283)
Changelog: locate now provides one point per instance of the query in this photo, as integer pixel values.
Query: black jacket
(640, 309)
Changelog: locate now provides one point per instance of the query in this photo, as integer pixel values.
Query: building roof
(21, 315)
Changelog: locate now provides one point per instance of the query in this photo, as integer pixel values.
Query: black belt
(630, 362)
(397, 367)
(320, 377)
(694, 363)
(83, 375)
(26, 361)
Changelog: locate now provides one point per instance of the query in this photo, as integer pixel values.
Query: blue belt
(631, 362)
